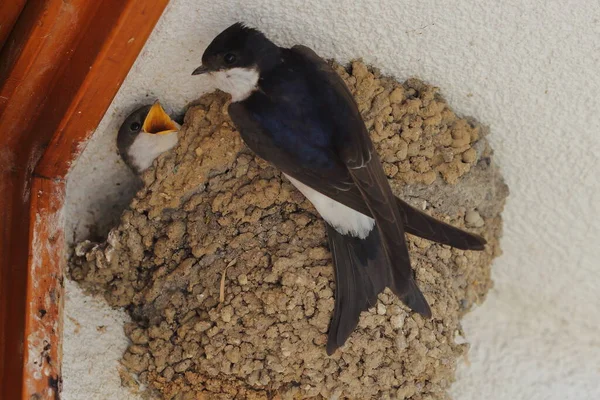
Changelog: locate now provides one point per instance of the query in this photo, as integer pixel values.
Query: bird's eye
(135, 126)
(229, 58)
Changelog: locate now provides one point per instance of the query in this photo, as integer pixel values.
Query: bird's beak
(158, 121)
(200, 70)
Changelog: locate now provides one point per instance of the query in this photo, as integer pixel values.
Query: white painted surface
(530, 70)
(94, 342)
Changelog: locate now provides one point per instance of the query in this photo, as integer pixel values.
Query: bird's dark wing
(356, 151)
(415, 221)
(375, 189)
(338, 97)
(334, 181)
(420, 224)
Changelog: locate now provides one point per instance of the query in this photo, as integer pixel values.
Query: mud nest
(225, 271)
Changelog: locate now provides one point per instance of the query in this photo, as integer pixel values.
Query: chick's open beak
(200, 70)
(158, 121)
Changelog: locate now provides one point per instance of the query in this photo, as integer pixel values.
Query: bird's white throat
(343, 219)
(238, 82)
(146, 147)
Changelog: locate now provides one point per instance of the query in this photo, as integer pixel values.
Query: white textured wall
(530, 69)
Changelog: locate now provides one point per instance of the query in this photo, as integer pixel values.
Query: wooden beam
(9, 12)
(44, 304)
(60, 68)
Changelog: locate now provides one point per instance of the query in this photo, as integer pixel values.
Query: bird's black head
(148, 120)
(239, 47)
(154, 129)
(133, 124)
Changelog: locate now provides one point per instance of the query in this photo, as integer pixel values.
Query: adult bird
(144, 135)
(294, 111)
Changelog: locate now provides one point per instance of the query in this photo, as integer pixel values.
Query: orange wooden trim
(29, 62)
(9, 12)
(43, 311)
(59, 70)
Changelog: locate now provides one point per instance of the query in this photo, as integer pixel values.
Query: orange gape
(158, 121)
(57, 78)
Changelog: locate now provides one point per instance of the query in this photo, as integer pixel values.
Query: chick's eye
(135, 126)
(229, 58)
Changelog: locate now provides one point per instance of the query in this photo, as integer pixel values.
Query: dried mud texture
(211, 209)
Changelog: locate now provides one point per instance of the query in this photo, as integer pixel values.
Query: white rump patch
(238, 82)
(342, 218)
